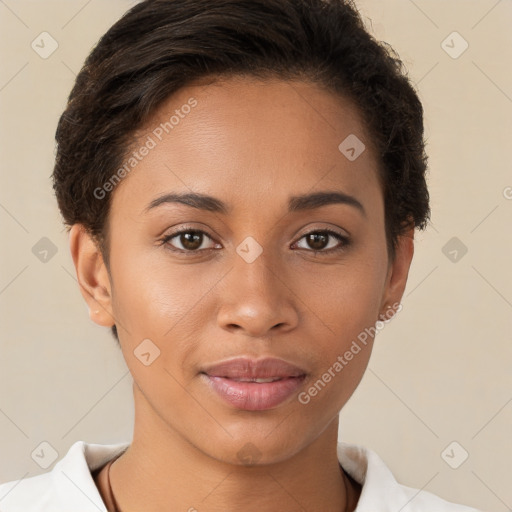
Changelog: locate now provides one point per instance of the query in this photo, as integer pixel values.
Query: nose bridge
(254, 297)
(255, 266)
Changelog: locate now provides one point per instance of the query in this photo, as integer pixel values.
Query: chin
(256, 446)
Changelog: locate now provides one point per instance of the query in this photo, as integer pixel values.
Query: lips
(247, 369)
(254, 384)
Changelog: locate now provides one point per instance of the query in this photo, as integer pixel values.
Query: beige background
(441, 371)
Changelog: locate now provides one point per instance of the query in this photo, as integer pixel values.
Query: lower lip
(254, 396)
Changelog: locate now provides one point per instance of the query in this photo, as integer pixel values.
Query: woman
(241, 181)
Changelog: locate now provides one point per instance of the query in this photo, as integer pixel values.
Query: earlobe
(92, 275)
(398, 272)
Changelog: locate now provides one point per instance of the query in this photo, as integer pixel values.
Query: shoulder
(380, 490)
(68, 486)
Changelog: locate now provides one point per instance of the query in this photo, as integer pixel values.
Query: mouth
(259, 381)
(254, 385)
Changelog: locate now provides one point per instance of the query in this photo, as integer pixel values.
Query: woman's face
(248, 279)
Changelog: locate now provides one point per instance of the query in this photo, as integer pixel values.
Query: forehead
(249, 141)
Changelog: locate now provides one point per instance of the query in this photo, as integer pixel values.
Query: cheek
(159, 306)
(344, 299)
(166, 302)
(152, 293)
(345, 305)
(341, 354)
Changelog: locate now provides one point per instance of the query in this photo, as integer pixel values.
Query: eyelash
(345, 241)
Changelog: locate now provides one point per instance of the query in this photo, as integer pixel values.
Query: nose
(256, 299)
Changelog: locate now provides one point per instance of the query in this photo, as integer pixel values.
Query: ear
(92, 275)
(398, 271)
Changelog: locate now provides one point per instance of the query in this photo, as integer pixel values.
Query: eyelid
(326, 229)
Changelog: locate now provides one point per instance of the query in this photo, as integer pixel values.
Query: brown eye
(317, 241)
(191, 240)
(322, 241)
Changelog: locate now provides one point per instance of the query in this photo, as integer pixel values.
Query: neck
(162, 471)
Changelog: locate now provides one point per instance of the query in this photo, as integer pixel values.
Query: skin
(251, 144)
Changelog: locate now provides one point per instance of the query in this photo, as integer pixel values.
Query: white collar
(70, 486)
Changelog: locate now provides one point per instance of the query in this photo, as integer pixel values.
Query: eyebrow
(295, 203)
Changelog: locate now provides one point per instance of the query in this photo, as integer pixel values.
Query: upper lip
(246, 368)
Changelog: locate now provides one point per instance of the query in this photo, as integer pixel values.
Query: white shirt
(69, 486)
